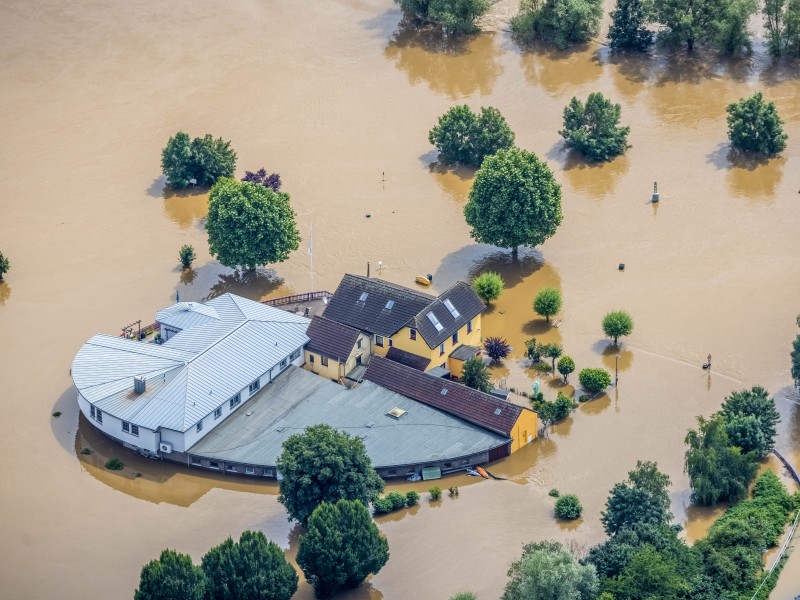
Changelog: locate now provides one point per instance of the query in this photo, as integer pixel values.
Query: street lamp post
(616, 369)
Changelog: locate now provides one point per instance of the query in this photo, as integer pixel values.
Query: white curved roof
(193, 372)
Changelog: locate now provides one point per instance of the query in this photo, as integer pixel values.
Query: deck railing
(296, 298)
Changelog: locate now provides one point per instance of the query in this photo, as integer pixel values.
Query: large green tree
(566, 366)
(249, 224)
(731, 34)
(650, 575)
(515, 201)
(755, 403)
(463, 137)
(688, 22)
(561, 22)
(628, 29)
(341, 547)
(488, 286)
(754, 126)
(782, 25)
(642, 498)
(254, 568)
(717, 469)
(548, 571)
(172, 576)
(475, 374)
(453, 16)
(617, 324)
(202, 160)
(593, 129)
(324, 465)
(547, 302)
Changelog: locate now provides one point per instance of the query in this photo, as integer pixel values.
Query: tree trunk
(515, 251)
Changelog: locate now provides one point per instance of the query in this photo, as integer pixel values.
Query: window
(135, 430)
(455, 338)
(295, 354)
(213, 465)
(234, 402)
(284, 362)
(311, 358)
(249, 471)
(441, 349)
(196, 461)
(100, 416)
(126, 427)
(363, 297)
(199, 426)
(469, 326)
(379, 341)
(451, 308)
(254, 386)
(434, 321)
(358, 343)
(92, 411)
(391, 343)
(389, 305)
(267, 473)
(412, 334)
(392, 472)
(323, 360)
(218, 412)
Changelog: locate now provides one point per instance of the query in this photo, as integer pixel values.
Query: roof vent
(281, 428)
(451, 308)
(389, 305)
(497, 411)
(139, 384)
(396, 413)
(444, 391)
(370, 425)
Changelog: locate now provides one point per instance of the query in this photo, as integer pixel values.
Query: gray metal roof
(186, 314)
(298, 399)
(465, 352)
(192, 373)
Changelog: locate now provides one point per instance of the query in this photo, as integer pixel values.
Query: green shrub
(488, 286)
(594, 380)
(568, 507)
(186, 255)
(114, 464)
(412, 498)
(57, 414)
(86, 451)
(554, 493)
(382, 506)
(583, 398)
(397, 499)
(435, 492)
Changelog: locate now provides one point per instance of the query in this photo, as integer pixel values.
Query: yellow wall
(527, 425)
(336, 369)
(402, 340)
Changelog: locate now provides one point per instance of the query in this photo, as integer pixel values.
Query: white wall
(147, 438)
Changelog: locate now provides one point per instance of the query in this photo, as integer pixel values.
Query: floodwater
(339, 102)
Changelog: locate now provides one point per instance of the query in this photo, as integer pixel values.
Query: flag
(311, 240)
(177, 296)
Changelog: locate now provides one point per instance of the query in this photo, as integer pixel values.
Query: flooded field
(338, 101)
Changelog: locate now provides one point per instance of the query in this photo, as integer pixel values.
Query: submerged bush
(114, 464)
(568, 507)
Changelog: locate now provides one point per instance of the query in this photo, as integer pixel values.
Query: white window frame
(126, 427)
(323, 360)
(235, 401)
(218, 412)
(441, 348)
(249, 470)
(199, 426)
(455, 338)
(284, 363)
(379, 340)
(254, 386)
(134, 430)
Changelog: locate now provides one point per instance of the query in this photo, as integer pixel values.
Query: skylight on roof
(451, 308)
(444, 391)
(363, 297)
(396, 413)
(432, 318)
(497, 411)
(389, 305)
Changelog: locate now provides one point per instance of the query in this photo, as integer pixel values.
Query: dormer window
(434, 321)
(451, 308)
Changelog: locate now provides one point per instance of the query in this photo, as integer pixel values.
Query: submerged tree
(641, 499)
(593, 129)
(616, 324)
(496, 348)
(795, 357)
(731, 34)
(453, 16)
(341, 547)
(324, 465)
(754, 126)
(548, 571)
(561, 22)
(250, 225)
(488, 286)
(688, 22)
(202, 160)
(5, 265)
(756, 404)
(172, 576)
(463, 137)
(475, 374)
(186, 255)
(547, 302)
(261, 177)
(566, 366)
(594, 381)
(628, 29)
(515, 201)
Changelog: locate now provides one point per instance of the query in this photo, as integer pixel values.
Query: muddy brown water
(336, 100)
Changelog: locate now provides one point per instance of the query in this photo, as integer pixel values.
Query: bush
(754, 126)
(533, 350)
(86, 451)
(171, 576)
(5, 265)
(382, 506)
(186, 255)
(568, 507)
(593, 129)
(562, 22)
(463, 137)
(453, 16)
(488, 286)
(203, 160)
(594, 381)
(114, 464)
(397, 499)
(554, 493)
(412, 498)
(261, 177)
(496, 348)
(563, 406)
(435, 492)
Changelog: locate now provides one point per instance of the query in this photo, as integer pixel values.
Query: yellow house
(335, 350)
(422, 331)
(517, 423)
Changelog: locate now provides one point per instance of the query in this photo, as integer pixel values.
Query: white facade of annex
(218, 355)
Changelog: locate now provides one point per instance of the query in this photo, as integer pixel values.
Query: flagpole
(311, 252)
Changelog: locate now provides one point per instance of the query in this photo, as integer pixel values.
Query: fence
(296, 298)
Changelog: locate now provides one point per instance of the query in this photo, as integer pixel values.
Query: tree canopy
(754, 126)
(515, 201)
(795, 358)
(261, 177)
(5, 265)
(641, 499)
(254, 568)
(453, 16)
(324, 465)
(616, 324)
(172, 576)
(341, 547)
(204, 160)
(566, 366)
(782, 24)
(568, 507)
(475, 374)
(756, 404)
(463, 137)
(488, 286)
(249, 224)
(561, 22)
(593, 129)
(688, 22)
(628, 29)
(496, 348)
(547, 302)
(594, 381)
(548, 571)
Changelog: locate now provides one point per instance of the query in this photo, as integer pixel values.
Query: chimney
(139, 384)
